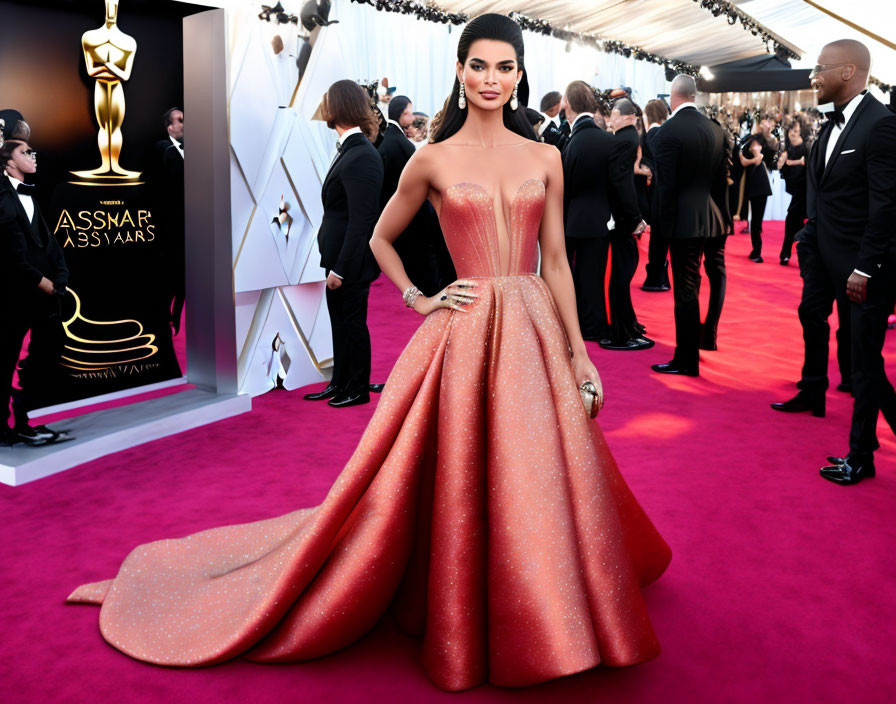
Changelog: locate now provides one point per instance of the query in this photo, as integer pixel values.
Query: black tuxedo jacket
(691, 154)
(396, 150)
(624, 198)
(554, 135)
(852, 200)
(648, 159)
(351, 198)
(28, 250)
(591, 173)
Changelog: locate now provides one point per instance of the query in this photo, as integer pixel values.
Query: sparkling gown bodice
(479, 246)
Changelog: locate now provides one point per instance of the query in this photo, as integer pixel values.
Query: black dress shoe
(844, 387)
(784, 261)
(345, 400)
(636, 343)
(836, 460)
(328, 392)
(31, 437)
(656, 288)
(757, 260)
(801, 404)
(848, 472)
(673, 368)
(376, 388)
(640, 329)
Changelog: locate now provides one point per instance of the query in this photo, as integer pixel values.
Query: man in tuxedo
(626, 332)
(34, 277)
(351, 199)
(691, 157)
(166, 180)
(657, 278)
(550, 129)
(592, 180)
(848, 247)
(421, 246)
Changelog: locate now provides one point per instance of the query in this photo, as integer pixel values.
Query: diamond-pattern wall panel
(278, 154)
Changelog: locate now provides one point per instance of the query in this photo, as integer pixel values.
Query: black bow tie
(26, 189)
(836, 116)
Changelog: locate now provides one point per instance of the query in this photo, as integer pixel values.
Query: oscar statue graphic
(109, 55)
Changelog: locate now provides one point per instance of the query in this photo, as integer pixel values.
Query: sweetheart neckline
(491, 197)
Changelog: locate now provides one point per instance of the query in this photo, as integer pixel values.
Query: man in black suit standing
(593, 184)
(166, 180)
(34, 277)
(421, 246)
(849, 246)
(657, 278)
(550, 130)
(691, 154)
(626, 332)
(351, 199)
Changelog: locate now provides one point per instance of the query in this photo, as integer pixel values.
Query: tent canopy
(753, 74)
(683, 30)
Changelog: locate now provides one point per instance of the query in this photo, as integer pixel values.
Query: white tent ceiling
(681, 29)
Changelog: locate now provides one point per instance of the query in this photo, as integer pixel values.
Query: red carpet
(782, 587)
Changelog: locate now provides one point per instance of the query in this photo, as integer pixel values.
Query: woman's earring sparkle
(462, 97)
(514, 101)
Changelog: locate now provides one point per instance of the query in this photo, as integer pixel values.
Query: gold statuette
(109, 55)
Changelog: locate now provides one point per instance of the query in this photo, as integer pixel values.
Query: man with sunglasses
(847, 251)
(34, 277)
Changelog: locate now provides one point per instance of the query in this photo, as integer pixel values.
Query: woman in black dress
(758, 156)
(792, 164)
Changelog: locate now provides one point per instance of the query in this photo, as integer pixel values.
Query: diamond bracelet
(410, 296)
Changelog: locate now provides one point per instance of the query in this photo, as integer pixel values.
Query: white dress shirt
(26, 201)
(848, 110)
(180, 147)
(682, 107)
(579, 117)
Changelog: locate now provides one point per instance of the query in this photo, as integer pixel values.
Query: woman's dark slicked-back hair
(499, 28)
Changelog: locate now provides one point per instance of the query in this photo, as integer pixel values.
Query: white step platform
(104, 432)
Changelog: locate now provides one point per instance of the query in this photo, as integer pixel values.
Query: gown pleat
(481, 505)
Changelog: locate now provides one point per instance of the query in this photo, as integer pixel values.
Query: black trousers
(347, 306)
(873, 391)
(40, 370)
(757, 212)
(657, 260)
(588, 262)
(822, 287)
(793, 223)
(686, 255)
(623, 265)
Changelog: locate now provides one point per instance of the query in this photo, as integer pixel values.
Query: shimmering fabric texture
(481, 504)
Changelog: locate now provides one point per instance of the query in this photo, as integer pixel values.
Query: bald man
(691, 156)
(848, 250)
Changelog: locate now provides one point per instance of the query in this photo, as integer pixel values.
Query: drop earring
(462, 98)
(514, 101)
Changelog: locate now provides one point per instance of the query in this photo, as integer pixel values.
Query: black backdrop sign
(102, 206)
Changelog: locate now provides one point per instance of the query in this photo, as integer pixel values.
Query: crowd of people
(682, 175)
(481, 503)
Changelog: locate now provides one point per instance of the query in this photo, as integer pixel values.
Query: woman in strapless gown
(482, 506)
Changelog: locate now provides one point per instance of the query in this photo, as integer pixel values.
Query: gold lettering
(65, 220)
(126, 219)
(84, 217)
(151, 231)
(143, 217)
(99, 219)
(112, 220)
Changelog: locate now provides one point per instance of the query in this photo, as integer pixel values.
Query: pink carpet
(782, 587)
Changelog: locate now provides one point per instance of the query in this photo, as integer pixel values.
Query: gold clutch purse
(590, 399)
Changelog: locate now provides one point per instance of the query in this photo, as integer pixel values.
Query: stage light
(706, 73)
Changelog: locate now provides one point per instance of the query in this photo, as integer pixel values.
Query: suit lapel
(346, 145)
(844, 133)
(20, 209)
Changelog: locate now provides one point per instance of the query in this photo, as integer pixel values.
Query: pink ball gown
(481, 505)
